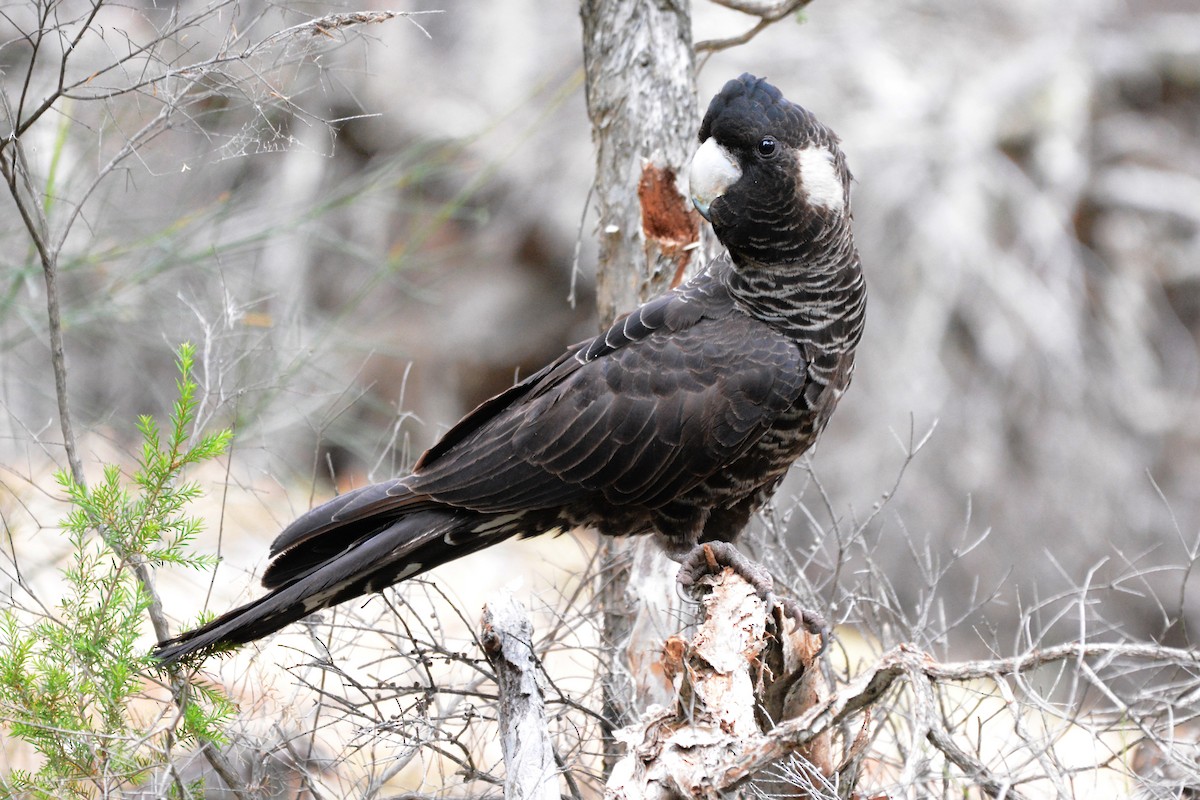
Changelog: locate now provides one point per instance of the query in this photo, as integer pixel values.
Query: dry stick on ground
(531, 772)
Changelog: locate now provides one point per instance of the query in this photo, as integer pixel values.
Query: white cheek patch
(819, 178)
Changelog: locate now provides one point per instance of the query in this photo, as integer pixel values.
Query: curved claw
(806, 618)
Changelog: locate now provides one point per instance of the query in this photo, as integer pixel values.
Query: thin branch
(321, 26)
(973, 767)
(35, 226)
(992, 668)
(768, 13)
(20, 125)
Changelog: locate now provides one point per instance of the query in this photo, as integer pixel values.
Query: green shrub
(70, 674)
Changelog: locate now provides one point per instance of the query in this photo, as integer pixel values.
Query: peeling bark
(730, 679)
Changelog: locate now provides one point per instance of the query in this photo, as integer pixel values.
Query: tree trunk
(641, 98)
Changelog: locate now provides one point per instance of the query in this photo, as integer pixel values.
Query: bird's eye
(766, 147)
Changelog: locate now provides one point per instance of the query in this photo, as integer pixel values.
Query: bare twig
(321, 26)
(768, 11)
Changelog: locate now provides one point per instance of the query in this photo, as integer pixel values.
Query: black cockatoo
(679, 421)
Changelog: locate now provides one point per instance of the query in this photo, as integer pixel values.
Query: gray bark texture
(507, 636)
(641, 98)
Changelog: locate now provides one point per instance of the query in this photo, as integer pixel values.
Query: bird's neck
(818, 300)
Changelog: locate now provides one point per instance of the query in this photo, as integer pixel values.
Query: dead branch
(323, 26)
(923, 674)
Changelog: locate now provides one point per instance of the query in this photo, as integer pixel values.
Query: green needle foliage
(69, 676)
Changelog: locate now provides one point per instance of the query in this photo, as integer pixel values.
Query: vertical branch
(12, 169)
(58, 362)
(16, 177)
(15, 173)
(641, 99)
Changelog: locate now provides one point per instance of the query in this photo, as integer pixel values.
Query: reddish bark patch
(667, 218)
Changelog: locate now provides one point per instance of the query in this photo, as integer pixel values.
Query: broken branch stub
(507, 636)
(734, 680)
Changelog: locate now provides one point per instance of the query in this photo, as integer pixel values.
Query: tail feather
(333, 527)
(407, 547)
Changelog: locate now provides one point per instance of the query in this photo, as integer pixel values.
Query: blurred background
(365, 256)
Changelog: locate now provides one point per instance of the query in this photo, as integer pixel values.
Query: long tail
(368, 563)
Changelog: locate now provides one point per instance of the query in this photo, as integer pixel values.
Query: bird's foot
(708, 559)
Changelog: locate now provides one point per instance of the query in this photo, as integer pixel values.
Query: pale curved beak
(713, 171)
